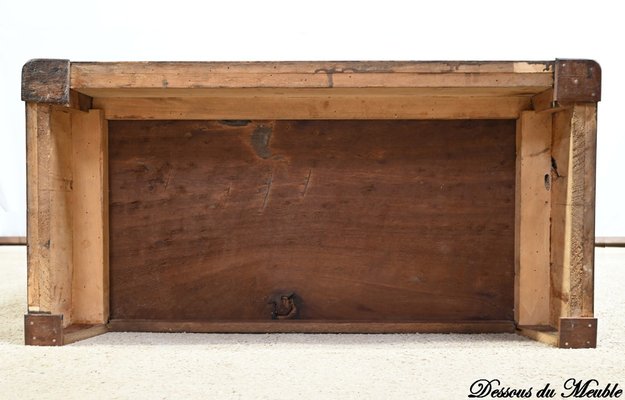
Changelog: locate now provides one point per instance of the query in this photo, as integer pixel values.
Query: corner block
(46, 81)
(578, 333)
(577, 81)
(43, 329)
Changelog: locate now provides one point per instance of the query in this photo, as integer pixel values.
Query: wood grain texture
(90, 302)
(573, 200)
(533, 198)
(311, 74)
(32, 203)
(50, 210)
(299, 326)
(314, 107)
(363, 220)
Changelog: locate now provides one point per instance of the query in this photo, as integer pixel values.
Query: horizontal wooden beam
(12, 240)
(540, 333)
(311, 75)
(613, 241)
(301, 326)
(312, 92)
(329, 107)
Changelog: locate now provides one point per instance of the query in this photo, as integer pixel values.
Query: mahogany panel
(363, 220)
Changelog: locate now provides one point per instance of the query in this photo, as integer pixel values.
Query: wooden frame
(68, 105)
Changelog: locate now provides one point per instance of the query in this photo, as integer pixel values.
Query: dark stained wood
(578, 333)
(577, 81)
(364, 220)
(46, 81)
(43, 329)
(299, 326)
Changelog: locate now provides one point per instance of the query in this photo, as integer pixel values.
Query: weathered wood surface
(537, 76)
(50, 213)
(573, 205)
(363, 220)
(46, 81)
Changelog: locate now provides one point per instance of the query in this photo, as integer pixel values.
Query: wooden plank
(316, 80)
(573, 212)
(12, 240)
(331, 107)
(90, 223)
(310, 74)
(583, 156)
(362, 219)
(310, 92)
(55, 213)
(33, 112)
(543, 334)
(77, 332)
(560, 216)
(88, 69)
(297, 326)
(533, 185)
(610, 241)
(49, 210)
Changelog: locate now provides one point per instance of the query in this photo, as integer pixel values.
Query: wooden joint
(80, 101)
(578, 333)
(575, 81)
(43, 329)
(46, 81)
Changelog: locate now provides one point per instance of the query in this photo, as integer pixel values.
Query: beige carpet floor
(294, 366)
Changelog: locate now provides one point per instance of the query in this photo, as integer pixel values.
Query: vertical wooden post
(533, 185)
(50, 245)
(90, 224)
(573, 202)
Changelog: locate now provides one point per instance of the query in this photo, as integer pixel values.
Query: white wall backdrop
(231, 30)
